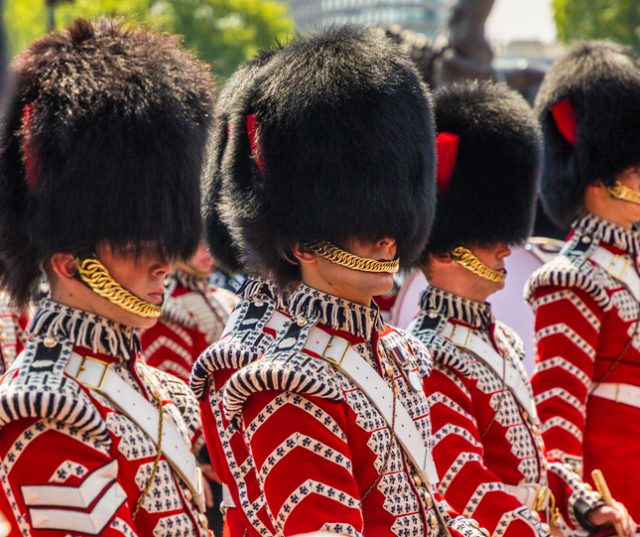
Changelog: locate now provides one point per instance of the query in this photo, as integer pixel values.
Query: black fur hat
(103, 138)
(593, 95)
(219, 240)
(489, 154)
(334, 141)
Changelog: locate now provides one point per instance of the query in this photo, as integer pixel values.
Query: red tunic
(244, 340)
(488, 449)
(325, 457)
(193, 317)
(12, 333)
(588, 335)
(72, 463)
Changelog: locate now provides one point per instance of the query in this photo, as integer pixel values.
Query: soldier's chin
(382, 281)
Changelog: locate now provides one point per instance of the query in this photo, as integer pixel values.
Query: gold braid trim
(97, 277)
(624, 193)
(468, 260)
(345, 259)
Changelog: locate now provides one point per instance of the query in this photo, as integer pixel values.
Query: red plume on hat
(565, 119)
(447, 149)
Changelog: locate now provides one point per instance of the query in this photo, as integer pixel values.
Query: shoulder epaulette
(285, 367)
(221, 355)
(570, 269)
(245, 343)
(36, 387)
(426, 328)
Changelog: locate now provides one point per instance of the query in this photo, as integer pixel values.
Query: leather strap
(620, 393)
(97, 375)
(619, 267)
(339, 353)
(465, 338)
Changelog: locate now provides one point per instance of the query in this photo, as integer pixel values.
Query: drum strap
(465, 338)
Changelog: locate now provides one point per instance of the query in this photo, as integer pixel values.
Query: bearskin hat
(489, 155)
(589, 109)
(219, 240)
(334, 141)
(103, 139)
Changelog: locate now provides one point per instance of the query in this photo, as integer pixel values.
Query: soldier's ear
(442, 257)
(64, 265)
(303, 254)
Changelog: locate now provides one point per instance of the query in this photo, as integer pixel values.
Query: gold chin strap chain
(334, 254)
(624, 193)
(468, 260)
(194, 273)
(97, 277)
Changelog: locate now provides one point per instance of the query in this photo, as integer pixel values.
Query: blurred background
(510, 39)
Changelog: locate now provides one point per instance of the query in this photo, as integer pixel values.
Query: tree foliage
(618, 20)
(225, 32)
(222, 32)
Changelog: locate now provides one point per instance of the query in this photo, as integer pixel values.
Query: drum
(508, 305)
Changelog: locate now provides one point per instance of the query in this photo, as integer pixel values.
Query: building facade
(425, 16)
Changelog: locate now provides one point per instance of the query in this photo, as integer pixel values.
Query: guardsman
(248, 333)
(102, 147)
(330, 184)
(587, 300)
(488, 448)
(193, 316)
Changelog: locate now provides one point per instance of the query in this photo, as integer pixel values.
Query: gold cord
(345, 259)
(97, 277)
(156, 461)
(624, 193)
(468, 260)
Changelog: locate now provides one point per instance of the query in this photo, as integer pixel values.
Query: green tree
(226, 32)
(618, 20)
(222, 32)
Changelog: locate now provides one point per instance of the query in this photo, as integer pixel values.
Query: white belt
(619, 267)
(465, 338)
(227, 500)
(533, 497)
(338, 352)
(620, 393)
(97, 375)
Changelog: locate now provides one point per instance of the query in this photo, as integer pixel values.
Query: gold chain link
(345, 259)
(624, 193)
(468, 260)
(97, 277)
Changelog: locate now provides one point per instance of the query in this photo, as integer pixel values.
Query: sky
(521, 19)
